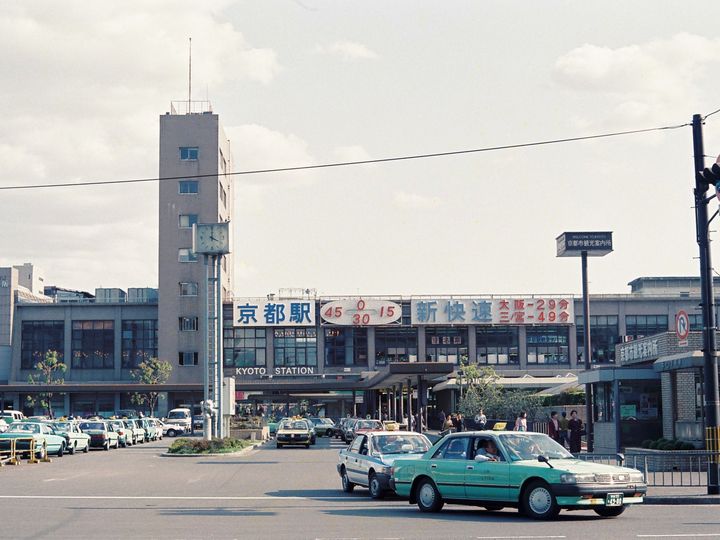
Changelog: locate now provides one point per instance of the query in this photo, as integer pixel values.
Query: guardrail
(12, 454)
(670, 469)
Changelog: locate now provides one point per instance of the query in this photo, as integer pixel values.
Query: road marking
(514, 537)
(172, 498)
(689, 535)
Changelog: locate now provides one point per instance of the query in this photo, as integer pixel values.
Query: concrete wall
(202, 131)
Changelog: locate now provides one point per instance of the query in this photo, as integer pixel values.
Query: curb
(697, 499)
(225, 454)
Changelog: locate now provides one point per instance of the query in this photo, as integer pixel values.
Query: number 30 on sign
(361, 312)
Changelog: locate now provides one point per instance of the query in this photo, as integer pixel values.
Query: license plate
(614, 499)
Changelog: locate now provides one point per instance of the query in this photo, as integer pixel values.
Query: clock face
(212, 238)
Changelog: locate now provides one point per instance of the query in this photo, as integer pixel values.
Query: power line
(348, 163)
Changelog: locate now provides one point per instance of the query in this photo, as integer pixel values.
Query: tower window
(188, 153)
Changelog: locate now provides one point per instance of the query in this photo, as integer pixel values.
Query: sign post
(682, 328)
(584, 244)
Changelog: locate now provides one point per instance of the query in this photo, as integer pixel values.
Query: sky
(307, 81)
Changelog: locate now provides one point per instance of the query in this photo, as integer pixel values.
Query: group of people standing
(566, 432)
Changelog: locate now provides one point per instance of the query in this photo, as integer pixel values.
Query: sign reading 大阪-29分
(361, 312)
(537, 310)
(255, 312)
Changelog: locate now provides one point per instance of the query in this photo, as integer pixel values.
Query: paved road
(284, 494)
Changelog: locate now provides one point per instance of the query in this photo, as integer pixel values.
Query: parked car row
(57, 437)
(492, 469)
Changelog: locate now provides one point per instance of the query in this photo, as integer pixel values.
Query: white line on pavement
(514, 537)
(169, 498)
(689, 535)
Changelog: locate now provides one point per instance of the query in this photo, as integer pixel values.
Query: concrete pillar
(522, 348)
(371, 348)
(422, 355)
(472, 344)
(667, 387)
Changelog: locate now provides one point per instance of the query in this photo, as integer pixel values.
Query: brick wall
(685, 395)
(668, 405)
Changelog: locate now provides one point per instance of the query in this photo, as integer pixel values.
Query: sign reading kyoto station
(526, 310)
(259, 312)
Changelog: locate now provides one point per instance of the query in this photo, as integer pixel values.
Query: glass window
(223, 195)
(604, 335)
(186, 255)
(295, 346)
(189, 153)
(189, 288)
(39, 337)
(93, 345)
(639, 326)
(696, 322)
(188, 358)
(188, 324)
(139, 342)
(189, 187)
(346, 347)
(497, 345)
(548, 345)
(396, 344)
(244, 347)
(446, 344)
(186, 221)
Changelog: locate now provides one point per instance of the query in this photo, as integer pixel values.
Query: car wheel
(538, 502)
(609, 511)
(171, 433)
(376, 491)
(106, 446)
(87, 448)
(72, 449)
(307, 445)
(42, 454)
(124, 443)
(428, 497)
(61, 450)
(279, 445)
(347, 485)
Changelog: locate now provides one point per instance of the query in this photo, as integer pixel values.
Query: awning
(526, 382)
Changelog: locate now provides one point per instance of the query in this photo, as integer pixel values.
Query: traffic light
(710, 176)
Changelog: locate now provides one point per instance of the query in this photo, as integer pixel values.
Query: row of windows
(92, 342)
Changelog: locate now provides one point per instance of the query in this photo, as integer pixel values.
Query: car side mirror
(543, 459)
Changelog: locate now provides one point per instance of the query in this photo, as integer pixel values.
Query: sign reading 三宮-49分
(493, 311)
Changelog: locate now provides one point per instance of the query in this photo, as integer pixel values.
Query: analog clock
(211, 238)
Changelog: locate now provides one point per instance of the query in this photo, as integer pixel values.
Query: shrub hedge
(665, 444)
(201, 446)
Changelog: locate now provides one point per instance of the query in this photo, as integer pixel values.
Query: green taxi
(528, 471)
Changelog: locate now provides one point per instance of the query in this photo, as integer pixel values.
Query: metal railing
(670, 469)
(10, 453)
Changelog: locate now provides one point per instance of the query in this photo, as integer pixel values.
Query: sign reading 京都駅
(534, 310)
(261, 312)
(361, 312)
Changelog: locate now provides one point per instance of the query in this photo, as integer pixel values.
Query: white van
(180, 416)
(12, 416)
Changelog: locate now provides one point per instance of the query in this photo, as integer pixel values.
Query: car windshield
(118, 423)
(61, 426)
(176, 415)
(521, 446)
(369, 424)
(92, 425)
(299, 424)
(24, 428)
(401, 444)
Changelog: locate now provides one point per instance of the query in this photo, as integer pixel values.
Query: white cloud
(347, 50)
(351, 153)
(652, 80)
(415, 200)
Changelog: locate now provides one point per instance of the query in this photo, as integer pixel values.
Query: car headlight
(577, 479)
(637, 477)
(387, 470)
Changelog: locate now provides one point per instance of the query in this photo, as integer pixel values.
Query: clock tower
(194, 155)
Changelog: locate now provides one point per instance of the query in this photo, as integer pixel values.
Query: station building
(335, 355)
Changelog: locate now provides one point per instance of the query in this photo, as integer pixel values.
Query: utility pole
(710, 372)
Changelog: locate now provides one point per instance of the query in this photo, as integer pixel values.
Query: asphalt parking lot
(270, 493)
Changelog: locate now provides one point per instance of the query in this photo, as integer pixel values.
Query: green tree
(481, 389)
(50, 372)
(150, 372)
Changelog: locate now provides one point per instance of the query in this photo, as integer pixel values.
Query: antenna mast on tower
(190, 76)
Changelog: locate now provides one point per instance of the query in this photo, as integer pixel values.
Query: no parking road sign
(682, 327)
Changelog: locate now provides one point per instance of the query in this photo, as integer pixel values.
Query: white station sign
(361, 312)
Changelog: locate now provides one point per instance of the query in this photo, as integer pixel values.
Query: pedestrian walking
(521, 422)
(564, 435)
(575, 426)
